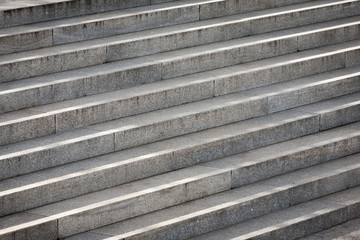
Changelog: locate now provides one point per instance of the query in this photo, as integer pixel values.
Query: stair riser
(308, 16)
(314, 94)
(47, 230)
(103, 28)
(143, 74)
(76, 186)
(25, 15)
(15, 70)
(135, 23)
(273, 199)
(227, 32)
(176, 193)
(306, 227)
(295, 161)
(94, 146)
(296, 222)
(231, 7)
(27, 129)
(79, 87)
(54, 156)
(331, 119)
(233, 214)
(107, 142)
(276, 74)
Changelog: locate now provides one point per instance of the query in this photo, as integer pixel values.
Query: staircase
(188, 119)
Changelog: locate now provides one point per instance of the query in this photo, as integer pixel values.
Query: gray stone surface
(276, 70)
(337, 111)
(25, 41)
(326, 178)
(331, 36)
(91, 80)
(314, 89)
(49, 151)
(29, 64)
(29, 12)
(147, 195)
(353, 58)
(123, 103)
(349, 199)
(76, 83)
(133, 20)
(230, 7)
(349, 231)
(34, 227)
(227, 54)
(287, 224)
(86, 143)
(224, 209)
(18, 126)
(203, 115)
(258, 164)
(186, 220)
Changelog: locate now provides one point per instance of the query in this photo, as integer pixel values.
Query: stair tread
(226, 199)
(285, 218)
(163, 30)
(97, 43)
(102, 16)
(88, 52)
(73, 173)
(172, 113)
(347, 230)
(198, 207)
(63, 77)
(117, 95)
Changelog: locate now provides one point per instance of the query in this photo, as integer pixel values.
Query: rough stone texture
(198, 121)
(148, 195)
(17, 15)
(337, 111)
(277, 69)
(291, 223)
(76, 83)
(349, 231)
(129, 23)
(46, 152)
(25, 41)
(320, 180)
(353, 58)
(24, 65)
(18, 126)
(36, 227)
(228, 56)
(331, 36)
(92, 175)
(230, 7)
(303, 152)
(314, 89)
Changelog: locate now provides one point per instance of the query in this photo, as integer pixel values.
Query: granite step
(347, 230)
(162, 38)
(174, 63)
(67, 181)
(19, 12)
(50, 151)
(299, 221)
(121, 103)
(94, 140)
(93, 80)
(220, 210)
(57, 117)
